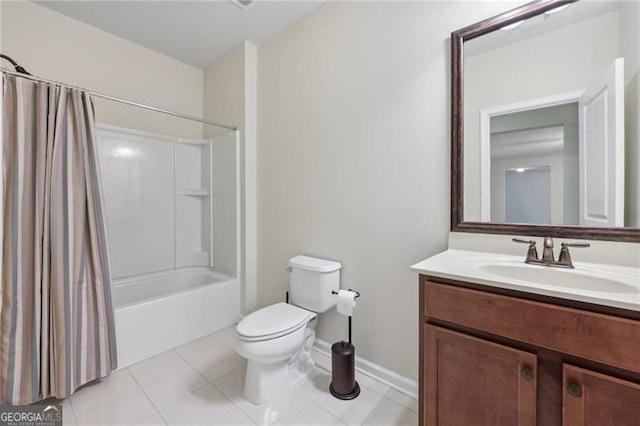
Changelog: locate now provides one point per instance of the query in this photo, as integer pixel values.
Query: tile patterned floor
(201, 383)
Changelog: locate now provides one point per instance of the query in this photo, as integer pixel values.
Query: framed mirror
(545, 111)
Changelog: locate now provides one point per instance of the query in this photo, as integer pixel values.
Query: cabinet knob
(526, 373)
(574, 390)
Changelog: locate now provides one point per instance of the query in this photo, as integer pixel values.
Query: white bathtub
(158, 312)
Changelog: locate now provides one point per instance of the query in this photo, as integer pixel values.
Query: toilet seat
(272, 322)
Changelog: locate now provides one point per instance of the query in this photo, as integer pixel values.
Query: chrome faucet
(564, 259)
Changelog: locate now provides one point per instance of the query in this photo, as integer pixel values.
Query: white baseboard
(322, 356)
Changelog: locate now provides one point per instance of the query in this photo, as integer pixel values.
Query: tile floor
(201, 383)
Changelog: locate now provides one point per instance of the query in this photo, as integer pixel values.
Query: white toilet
(277, 340)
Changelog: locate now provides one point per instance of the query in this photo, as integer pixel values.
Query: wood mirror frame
(457, 140)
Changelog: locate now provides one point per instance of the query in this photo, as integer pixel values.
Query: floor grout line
(113, 397)
(192, 391)
(70, 406)
(191, 365)
(135, 379)
(221, 342)
(318, 405)
(235, 404)
(324, 409)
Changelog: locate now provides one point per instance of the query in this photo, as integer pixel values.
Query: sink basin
(591, 280)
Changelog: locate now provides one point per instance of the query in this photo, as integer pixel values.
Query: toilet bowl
(277, 342)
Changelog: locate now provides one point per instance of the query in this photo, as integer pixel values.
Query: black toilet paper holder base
(343, 384)
(348, 396)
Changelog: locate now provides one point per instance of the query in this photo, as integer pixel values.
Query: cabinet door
(595, 399)
(469, 381)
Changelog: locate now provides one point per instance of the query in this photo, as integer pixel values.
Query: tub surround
(174, 237)
(166, 208)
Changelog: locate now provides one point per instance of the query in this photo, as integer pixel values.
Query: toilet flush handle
(289, 269)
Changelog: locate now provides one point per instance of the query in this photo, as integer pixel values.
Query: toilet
(277, 340)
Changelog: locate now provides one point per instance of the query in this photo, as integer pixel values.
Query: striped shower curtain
(56, 313)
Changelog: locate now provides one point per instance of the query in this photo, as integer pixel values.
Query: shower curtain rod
(124, 101)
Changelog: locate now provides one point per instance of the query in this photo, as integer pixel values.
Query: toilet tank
(311, 281)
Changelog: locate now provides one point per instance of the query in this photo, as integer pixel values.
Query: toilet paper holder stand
(343, 377)
(357, 295)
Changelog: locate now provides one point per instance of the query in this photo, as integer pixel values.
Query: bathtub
(158, 312)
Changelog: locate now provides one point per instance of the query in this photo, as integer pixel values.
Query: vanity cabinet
(498, 357)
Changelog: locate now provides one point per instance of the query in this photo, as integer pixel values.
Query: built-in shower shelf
(194, 141)
(194, 192)
(193, 202)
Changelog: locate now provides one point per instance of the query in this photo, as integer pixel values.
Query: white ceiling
(195, 32)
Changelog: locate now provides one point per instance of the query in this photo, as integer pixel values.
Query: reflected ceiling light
(512, 26)
(124, 152)
(520, 169)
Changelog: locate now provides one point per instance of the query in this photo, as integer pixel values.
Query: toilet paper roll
(346, 302)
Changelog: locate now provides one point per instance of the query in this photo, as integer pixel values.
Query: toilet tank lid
(314, 264)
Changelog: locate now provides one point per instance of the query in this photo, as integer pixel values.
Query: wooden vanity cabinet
(494, 359)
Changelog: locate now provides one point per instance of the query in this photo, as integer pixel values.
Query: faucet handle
(532, 253)
(565, 257)
(581, 245)
(531, 243)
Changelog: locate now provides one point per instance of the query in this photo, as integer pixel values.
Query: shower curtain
(56, 315)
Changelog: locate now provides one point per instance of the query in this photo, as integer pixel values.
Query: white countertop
(608, 285)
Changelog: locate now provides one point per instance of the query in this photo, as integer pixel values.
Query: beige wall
(224, 96)
(353, 160)
(54, 46)
(230, 96)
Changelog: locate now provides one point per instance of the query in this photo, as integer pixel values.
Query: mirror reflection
(551, 119)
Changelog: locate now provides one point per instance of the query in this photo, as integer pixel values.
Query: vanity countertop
(608, 285)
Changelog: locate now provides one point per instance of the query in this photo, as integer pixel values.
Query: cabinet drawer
(601, 338)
